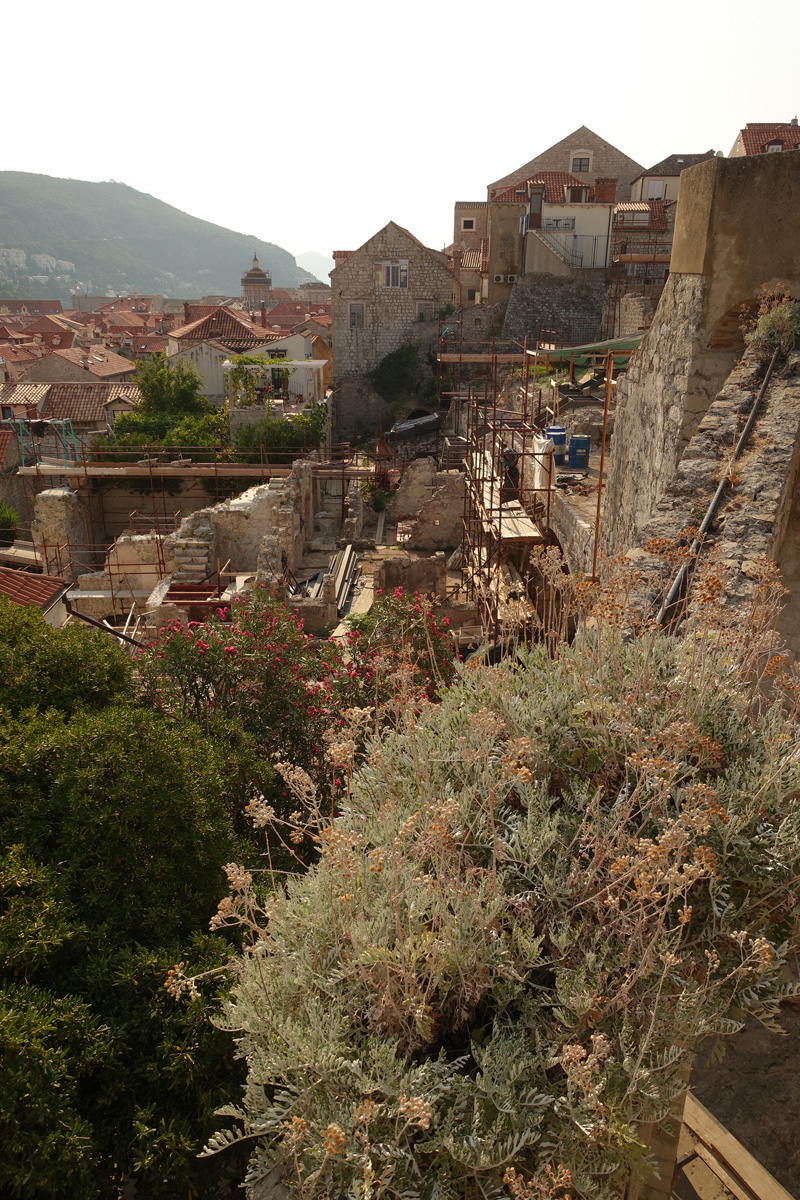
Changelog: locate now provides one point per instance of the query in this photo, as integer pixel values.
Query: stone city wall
(754, 517)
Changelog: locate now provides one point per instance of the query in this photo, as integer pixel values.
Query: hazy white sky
(312, 124)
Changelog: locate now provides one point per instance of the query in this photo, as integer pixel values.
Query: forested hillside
(61, 235)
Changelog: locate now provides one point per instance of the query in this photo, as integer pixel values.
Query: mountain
(320, 265)
(62, 235)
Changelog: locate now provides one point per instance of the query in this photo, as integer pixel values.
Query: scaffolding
(509, 473)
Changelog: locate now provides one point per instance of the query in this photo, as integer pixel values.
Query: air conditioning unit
(499, 279)
(511, 279)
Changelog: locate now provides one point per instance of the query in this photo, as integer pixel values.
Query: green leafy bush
(9, 524)
(400, 378)
(115, 826)
(282, 439)
(172, 412)
(63, 669)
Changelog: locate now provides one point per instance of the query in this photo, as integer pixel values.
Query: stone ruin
(257, 538)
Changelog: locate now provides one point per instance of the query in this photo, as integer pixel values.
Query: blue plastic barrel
(558, 434)
(579, 446)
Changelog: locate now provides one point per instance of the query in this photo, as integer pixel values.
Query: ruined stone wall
(556, 302)
(636, 313)
(61, 533)
(434, 500)
(425, 575)
(111, 505)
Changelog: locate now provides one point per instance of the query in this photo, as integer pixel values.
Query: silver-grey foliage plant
(535, 900)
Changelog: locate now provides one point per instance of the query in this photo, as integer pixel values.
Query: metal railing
(577, 250)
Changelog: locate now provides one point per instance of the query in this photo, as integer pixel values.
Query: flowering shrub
(540, 895)
(399, 651)
(251, 662)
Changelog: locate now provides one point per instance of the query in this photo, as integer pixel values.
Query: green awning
(593, 353)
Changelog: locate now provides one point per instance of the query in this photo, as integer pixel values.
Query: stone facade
(558, 302)
(604, 160)
(369, 321)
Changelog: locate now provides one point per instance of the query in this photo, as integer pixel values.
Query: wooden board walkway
(507, 521)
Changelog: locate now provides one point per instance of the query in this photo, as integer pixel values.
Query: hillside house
(551, 223)
(470, 246)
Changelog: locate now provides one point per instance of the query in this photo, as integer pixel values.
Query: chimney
(186, 312)
(263, 315)
(793, 122)
(605, 191)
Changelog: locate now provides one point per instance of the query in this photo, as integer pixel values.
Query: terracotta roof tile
(221, 324)
(5, 441)
(13, 394)
(554, 184)
(96, 360)
(32, 307)
(14, 353)
(85, 403)
(471, 260)
(24, 589)
(150, 344)
(756, 137)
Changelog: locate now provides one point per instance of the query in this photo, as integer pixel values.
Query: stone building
(385, 294)
(256, 286)
(584, 155)
(470, 247)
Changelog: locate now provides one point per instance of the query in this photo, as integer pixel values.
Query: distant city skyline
(312, 131)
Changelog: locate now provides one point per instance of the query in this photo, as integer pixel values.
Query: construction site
(533, 448)
(141, 536)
